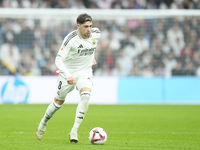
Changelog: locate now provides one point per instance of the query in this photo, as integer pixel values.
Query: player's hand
(71, 80)
(94, 62)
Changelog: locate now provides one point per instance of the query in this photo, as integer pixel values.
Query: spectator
(166, 47)
(159, 31)
(151, 4)
(189, 70)
(103, 71)
(125, 63)
(10, 58)
(33, 69)
(24, 65)
(197, 4)
(146, 58)
(114, 43)
(132, 4)
(159, 70)
(78, 4)
(25, 38)
(177, 46)
(118, 4)
(170, 64)
(188, 4)
(135, 71)
(8, 33)
(141, 43)
(198, 72)
(198, 45)
(178, 71)
(147, 71)
(92, 5)
(158, 56)
(109, 59)
(63, 4)
(38, 55)
(186, 54)
(116, 71)
(175, 34)
(142, 3)
(104, 4)
(127, 41)
(196, 59)
(137, 42)
(192, 38)
(186, 31)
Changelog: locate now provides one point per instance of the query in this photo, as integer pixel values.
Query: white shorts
(63, 88)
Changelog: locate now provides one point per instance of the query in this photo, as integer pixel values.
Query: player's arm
(62, 69)
(94, 62)
(59, 62)
(97, 34)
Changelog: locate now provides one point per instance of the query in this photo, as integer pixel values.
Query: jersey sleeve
(62, 54)
(96, 32)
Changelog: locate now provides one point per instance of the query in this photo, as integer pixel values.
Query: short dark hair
(82, 18)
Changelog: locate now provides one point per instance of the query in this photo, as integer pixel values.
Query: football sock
(81, 110)
(51, 110)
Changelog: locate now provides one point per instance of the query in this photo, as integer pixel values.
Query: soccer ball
(98, 136)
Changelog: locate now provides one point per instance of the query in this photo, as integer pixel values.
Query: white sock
(81, 110)
(51, 110)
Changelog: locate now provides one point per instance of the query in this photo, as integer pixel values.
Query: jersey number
(59, 86)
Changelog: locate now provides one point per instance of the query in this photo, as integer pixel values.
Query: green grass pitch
(129, 127)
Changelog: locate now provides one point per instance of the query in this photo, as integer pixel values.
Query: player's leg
(51, 110)
(63, 89)
(84, 89)
(80, 113)
(81, 108)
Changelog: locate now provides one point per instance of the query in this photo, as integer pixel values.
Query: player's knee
(85, 96)
(85, 89)
(58, 102)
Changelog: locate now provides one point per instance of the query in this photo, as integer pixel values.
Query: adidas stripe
(72, 35)
(95, 30)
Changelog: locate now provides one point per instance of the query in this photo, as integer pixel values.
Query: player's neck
(82, 36)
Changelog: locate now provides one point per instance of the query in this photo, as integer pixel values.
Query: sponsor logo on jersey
(93, 42)
(86, 51)
(62, 47)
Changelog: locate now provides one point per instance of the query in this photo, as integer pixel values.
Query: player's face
(85, 29)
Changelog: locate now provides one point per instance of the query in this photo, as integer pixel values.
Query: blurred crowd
(102, 4)
(145, 47)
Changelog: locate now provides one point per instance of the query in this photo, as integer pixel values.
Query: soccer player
(74, 62)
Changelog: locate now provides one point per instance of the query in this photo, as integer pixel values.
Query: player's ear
(78, 25)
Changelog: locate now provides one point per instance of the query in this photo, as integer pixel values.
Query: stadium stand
(132, 47)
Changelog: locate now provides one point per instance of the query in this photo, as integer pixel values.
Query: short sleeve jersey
(78, 53)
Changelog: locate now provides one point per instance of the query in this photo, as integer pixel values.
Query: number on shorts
(59, 86)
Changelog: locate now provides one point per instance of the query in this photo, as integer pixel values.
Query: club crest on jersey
(58, 92)
(93, 42)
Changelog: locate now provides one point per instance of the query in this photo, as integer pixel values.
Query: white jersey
(76, 54)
